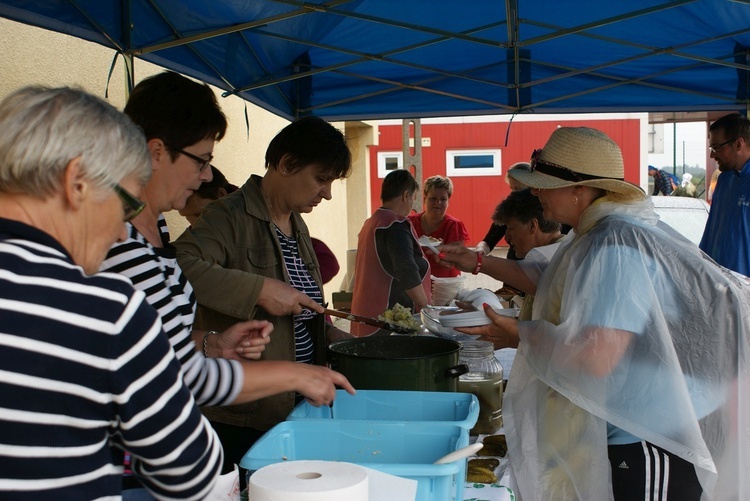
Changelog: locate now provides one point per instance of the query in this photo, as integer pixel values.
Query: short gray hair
(42, 129)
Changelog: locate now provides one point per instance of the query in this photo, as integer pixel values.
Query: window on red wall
(476, 162)
(389, 161)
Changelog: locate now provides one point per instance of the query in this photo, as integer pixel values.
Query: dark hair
(311, 140)
(176, 110)
(211, 189)
(524, 207)
(396, 183)
(733, 125)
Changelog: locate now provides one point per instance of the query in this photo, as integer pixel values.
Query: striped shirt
(154, 270)
(86, 372)
(300, 279)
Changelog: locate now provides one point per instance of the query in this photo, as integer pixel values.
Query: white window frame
(451, 171)
(383, 155)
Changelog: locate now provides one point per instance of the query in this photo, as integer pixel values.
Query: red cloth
(329, 265)
(450, 230)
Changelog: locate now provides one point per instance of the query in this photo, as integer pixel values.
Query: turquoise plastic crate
(399, 448)
(461, 409)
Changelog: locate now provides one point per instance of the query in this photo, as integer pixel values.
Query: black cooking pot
(419, 363)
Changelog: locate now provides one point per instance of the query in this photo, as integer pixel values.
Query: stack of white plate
(431, 321)
(472, 318)
(446, 289)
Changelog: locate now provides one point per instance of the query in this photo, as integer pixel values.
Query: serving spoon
(461, 453)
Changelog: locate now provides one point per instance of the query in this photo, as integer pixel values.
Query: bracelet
(479, 264)
(205, 342)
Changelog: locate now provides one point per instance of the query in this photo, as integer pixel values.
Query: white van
(684, 214)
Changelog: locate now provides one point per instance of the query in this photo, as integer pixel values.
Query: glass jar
(485, 380)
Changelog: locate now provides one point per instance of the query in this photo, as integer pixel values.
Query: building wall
(34, 56)
(474, 198)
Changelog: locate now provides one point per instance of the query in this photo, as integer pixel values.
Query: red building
(474, 154)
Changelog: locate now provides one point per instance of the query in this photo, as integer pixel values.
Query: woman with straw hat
(627, 384)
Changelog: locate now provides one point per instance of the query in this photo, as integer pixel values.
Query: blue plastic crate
(399, 448)
(461, 409)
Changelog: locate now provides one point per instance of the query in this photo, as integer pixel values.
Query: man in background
(726, 237)
(663, 182)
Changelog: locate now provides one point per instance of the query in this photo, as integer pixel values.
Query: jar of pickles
(485, 380)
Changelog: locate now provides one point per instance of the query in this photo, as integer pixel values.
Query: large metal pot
(398, 362)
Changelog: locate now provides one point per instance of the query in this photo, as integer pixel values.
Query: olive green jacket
(227, 255)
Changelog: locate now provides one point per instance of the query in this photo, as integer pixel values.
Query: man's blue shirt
(727, 235)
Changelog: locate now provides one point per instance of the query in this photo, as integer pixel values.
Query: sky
(691, 139)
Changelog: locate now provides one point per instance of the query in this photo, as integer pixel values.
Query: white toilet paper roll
(309, 481)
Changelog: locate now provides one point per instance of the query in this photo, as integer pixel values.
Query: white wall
(30, 55)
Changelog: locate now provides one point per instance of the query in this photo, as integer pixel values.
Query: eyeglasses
(131, 205)
(717, 147)
(201, 161)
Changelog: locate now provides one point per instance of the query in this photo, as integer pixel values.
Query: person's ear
(533, 225)
(222, 192)
(158, 151)
(75, 187)
(285, 166)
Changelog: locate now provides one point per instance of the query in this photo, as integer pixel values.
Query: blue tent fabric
(370, 59)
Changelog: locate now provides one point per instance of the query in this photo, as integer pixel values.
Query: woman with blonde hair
(436, 223)
(627, 384)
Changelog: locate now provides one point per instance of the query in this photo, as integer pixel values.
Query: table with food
(423, 393)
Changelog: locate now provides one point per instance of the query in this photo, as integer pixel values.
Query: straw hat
(577, 156)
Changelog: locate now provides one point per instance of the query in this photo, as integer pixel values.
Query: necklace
(270, 208)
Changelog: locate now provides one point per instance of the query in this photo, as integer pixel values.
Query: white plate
(430, 321)
(473, 318)
(425, 241)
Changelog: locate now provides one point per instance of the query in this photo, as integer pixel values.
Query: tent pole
(126, 15)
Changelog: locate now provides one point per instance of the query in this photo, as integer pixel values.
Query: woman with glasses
(182, 121)
(631, 377)
(85, 369)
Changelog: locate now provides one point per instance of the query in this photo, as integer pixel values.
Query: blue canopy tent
(370, 59)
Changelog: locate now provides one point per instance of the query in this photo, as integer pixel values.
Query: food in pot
(400, 316)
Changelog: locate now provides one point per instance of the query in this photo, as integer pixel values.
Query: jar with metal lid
(485, 380)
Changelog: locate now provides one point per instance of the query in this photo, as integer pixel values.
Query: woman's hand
(456, 254)
(242, 340)
(502, 332)
(279, 298)
(318, 384)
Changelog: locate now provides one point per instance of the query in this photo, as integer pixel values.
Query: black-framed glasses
(202, 162)
(717, 147)
(130, 205)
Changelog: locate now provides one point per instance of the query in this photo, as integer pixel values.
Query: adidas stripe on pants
(644, 472)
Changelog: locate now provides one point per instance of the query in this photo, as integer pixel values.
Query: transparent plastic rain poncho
(680, 381)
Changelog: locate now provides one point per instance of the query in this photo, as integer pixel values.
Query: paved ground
(482, 281)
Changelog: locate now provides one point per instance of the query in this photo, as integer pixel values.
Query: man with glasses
(726, 237)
